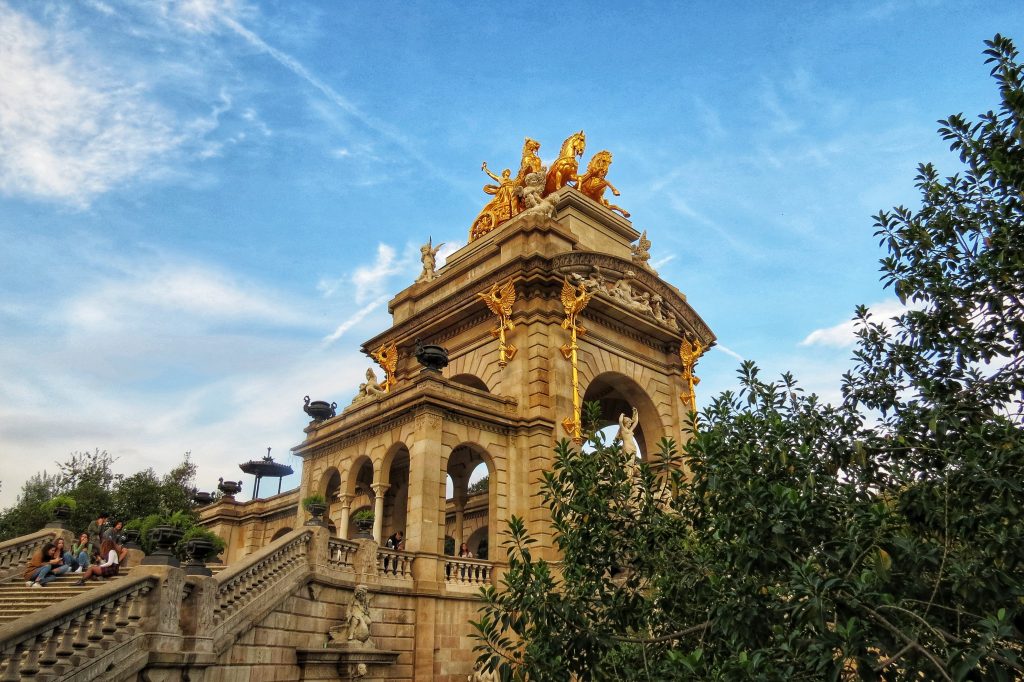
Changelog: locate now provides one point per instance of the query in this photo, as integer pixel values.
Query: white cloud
(842, 334)
(70, 130)
(354, 319)
(728, 351)
(369, 279)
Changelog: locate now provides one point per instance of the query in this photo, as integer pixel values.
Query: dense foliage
(880, 538)
(88, 479)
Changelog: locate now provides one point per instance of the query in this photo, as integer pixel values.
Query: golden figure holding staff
(574, 300)
(499, 302)
(387, 357)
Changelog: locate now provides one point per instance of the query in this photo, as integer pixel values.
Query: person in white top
(109, 565)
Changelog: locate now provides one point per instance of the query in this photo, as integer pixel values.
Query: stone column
(346, 507)
(460, 511)
(378, 511)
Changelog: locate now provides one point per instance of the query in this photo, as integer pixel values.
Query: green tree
(880, 538)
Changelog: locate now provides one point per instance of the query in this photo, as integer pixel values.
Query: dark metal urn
(319, 410)
(131, 538)
(433, 358)
(202, 498)
(198, 552)
(316, 511)
(363, 528)
(61, 515)
(229, 488)
(164, 539)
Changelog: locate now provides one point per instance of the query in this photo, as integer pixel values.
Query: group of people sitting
(97, 554)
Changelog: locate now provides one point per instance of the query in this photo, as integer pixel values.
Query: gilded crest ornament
(574, 300)
(689, 353)
(387, 357)
(499, 301)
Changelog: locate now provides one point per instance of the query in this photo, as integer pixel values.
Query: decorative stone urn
(433, 358)
(164, 539)
(319, 410)
(316, 511)
(198, 551)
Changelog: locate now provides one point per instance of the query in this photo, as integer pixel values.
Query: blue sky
(205, 205)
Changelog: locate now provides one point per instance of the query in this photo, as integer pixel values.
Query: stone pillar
(460, 511)
(378, 511)
(346, 507)
(425, 516)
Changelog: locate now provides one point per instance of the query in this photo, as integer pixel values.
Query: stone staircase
(17, 600)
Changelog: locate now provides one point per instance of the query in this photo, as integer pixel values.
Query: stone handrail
(467, 571)
(260, 574)
(395, 564)
(15, 553)
(341, 553)
(70, 635)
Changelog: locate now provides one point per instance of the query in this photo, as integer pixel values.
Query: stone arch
(462, 459)
(281, 533)
(394, 472)
(361, 475)
(617, 394)
(480, 362)
(472, 381)
(330, 482)
(478, 543)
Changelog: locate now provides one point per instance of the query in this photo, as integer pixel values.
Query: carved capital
(379, 489)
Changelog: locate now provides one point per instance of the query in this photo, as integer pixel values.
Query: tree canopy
(880, 538)
(88, 478)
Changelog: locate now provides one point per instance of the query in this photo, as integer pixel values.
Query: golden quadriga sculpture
(513, 196)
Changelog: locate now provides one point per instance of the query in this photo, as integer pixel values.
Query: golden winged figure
(689, 353)
(387, 357)
(574, 299)
(500, 301)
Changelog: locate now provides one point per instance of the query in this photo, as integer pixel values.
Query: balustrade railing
(257, 575)
(14, 554)
(394, 564)
(467, 571)
(68, 635)
(341, 553)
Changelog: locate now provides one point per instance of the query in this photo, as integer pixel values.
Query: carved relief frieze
(618, 280)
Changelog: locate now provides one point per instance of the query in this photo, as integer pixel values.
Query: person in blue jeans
(74, 561)
(81, 553)
(45, 566)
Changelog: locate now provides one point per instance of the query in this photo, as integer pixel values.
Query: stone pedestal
(334, 662)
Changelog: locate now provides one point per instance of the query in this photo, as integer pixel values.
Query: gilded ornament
(564, 169)
(387, 357)
(499, 302)
(594, 182)
(574, 300)
(689, 353)
(531, 163)
(503, 206)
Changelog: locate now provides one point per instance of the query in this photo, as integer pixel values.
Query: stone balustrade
(460, 571)
(14, 554)
(69, 635)
(394, 564)
(259, 573)
(341, 553)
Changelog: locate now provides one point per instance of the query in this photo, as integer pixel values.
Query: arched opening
(472, 381)
(281, 533)
(617, 394)
(449, 545)
(470, 498)
(396, 497)
(360, 487)
(330, 488)
(478, 543)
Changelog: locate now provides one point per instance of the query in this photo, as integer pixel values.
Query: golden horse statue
(594, 181)
(564, 169)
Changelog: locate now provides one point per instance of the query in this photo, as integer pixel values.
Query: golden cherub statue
(387, 357)
(594, 181)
